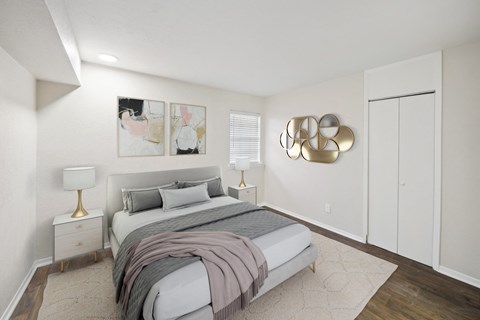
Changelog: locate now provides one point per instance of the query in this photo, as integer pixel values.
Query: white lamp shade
(242, 163)
(78, 178)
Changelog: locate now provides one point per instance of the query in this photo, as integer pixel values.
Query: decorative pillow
(143, 200)
(181, 198)
(135, 200)
(215, 188)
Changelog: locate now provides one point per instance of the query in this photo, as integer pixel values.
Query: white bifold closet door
(401, 175)
(383, 174)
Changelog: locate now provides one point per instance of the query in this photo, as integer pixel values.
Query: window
(244, 136)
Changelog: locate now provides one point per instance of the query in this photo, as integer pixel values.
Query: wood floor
(414, 291)
(29, 304)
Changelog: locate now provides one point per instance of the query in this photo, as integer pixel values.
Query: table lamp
(242, 164)
(78, 179)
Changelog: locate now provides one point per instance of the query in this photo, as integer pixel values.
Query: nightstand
(248, 193)
(76, 236)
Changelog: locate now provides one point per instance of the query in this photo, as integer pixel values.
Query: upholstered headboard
(116, 182)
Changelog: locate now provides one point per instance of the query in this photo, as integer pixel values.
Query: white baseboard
(442, 269)
(23, 286)
(315, 222)
(459, 276)
(43, 262)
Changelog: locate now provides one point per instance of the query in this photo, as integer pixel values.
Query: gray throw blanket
(243, 219)
(236, 267)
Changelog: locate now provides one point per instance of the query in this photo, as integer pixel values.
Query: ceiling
(264, 47)
(38, 35)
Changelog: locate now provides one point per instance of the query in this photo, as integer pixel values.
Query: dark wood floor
(29, 304)
(414, 291)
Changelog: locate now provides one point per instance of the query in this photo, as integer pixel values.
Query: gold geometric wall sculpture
(316, 141)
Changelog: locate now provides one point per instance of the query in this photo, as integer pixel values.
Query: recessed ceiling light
(107, 57)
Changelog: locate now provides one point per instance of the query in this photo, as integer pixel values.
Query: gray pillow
(215, 188)
(181, 198)
(143, 200)
(135, 200)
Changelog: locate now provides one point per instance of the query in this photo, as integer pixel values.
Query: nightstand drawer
(248, 196)
(78, 226)
(70, 245)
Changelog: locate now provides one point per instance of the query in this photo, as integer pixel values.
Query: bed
(185, 294)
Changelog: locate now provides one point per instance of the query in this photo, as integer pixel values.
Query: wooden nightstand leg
(62, 266)
(95, 256)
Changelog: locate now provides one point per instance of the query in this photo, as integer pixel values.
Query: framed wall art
(188, 129)
(141, 127)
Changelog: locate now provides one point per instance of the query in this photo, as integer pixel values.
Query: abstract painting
(141, 127)
(188, 129)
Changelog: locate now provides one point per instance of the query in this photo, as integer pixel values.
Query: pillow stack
(171, 196)
(136, 200)
(214, 184)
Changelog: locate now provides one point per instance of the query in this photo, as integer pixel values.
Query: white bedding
(187, 289)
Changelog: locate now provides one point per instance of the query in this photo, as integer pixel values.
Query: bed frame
(116, 182)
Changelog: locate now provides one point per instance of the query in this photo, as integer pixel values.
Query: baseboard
(315, 222)
(23, 286)
(442, 269)
(43, 262)
(459, 276)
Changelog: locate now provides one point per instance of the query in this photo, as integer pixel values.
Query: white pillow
(180, 198)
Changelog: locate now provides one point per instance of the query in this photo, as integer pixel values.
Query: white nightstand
(248, 193)
(76, 236)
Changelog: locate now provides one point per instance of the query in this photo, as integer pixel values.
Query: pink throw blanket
(236, 267)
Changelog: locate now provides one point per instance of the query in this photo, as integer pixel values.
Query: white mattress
(187, 289)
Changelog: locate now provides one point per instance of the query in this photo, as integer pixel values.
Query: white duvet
(187, 289)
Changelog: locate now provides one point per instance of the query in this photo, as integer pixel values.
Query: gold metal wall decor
(316, 141)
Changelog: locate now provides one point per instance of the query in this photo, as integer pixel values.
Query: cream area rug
(86, 293)
(346, 279)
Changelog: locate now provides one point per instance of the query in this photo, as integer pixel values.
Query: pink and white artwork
(188, 129)
(141, 127)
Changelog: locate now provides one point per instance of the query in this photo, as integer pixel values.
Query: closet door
(416, 177)
(383, 174)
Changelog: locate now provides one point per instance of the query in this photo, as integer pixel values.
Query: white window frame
(231, 138)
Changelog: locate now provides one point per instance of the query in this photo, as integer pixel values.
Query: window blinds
(244, 136)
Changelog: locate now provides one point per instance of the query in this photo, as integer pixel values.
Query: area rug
(86, 293)
(346, 279)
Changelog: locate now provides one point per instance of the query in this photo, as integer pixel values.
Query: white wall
(17, 172)
(78, 126)
(461, 158)
(304, 187)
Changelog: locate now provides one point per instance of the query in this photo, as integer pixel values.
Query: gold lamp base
(242, 182)
(80, 211)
